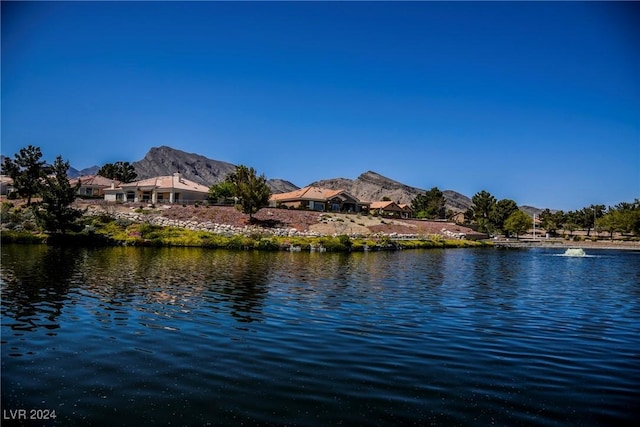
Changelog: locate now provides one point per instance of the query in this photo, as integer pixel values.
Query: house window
(119, 196)
(88, 191)
(146, 196)
(131, 196)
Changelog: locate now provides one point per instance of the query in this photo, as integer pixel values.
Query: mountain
(74, 173)
(372, 186)
(281, 186)
(160, 161)
(532, 210)
(164, 160)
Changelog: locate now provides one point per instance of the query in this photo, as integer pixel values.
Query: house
(457, 217)
(407, 210)
(161, 189)
(6, 185)
(319, 199)
(386, 208)
(93, 185)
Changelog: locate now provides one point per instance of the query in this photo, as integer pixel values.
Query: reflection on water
(147, 336)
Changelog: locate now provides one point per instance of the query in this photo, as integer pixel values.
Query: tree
(501, 211)
(26, 171)
(430, 204)
(53, 213)
(624, 218)
(481, 209)
(630, 216)
(252, 190)
(221, 191)
(587, 216)
(121, 171)
(552, 221)
(518, 223)
(571, 221)
(610, 222)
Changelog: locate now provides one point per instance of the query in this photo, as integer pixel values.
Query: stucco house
(386, 208)
(161, 189)
(319, 199)
(6, 185)
(407, 210)
(93, 185)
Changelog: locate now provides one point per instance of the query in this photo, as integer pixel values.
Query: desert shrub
(5, 211)
(122, 222)
(345, 240)
(266, 244)
(29, 226)
(239, 242)
(149, 230)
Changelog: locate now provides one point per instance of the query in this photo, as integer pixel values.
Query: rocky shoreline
(228, 221)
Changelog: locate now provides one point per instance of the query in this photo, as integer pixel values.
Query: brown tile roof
(308, 193)
(94, 180)
(168, 182)
(384, 205)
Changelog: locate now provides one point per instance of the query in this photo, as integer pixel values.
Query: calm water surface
(141, 336)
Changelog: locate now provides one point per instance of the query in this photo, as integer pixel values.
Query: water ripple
(420, 337)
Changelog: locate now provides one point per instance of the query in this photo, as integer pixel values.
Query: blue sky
(536, 102)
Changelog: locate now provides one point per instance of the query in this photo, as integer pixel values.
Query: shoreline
(566, 244)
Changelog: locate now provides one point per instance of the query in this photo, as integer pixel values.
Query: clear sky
(536, 102)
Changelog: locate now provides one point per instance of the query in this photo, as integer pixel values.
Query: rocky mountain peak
(371, 186)
(165, 160)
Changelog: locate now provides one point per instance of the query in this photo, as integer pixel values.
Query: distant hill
(74, 173)
(372, 186)
(281, 186)
(532, 210)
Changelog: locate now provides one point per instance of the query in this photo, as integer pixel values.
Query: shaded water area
(149, 336)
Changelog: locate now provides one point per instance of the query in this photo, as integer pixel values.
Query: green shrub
(10, 236)
(29, 226)
(239, 242)
(266, 244)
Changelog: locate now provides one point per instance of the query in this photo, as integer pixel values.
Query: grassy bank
(104, 231)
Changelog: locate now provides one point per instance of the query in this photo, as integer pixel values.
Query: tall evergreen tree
(26, 171)
(501, 210)
(480, 210)
(552, 221)
(251, 189)
(54, 212)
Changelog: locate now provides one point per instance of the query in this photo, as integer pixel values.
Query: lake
(184, 336)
